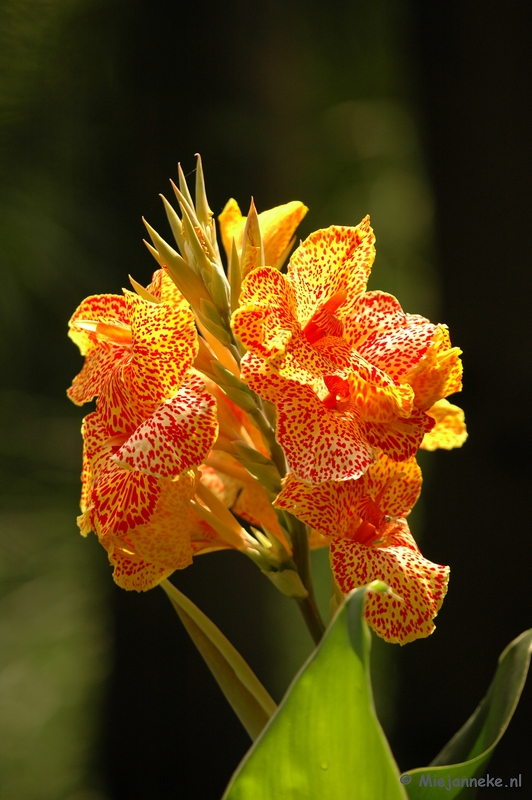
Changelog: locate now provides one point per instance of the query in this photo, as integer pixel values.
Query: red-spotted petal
(177, 436)
(400, 438)
(163, 350)
(395, 487)
(418, 585)
(330, 261)
(134, 573)
(370, 313)
(380, 403)
(438, 374)
(95, 453)
(94, 377)
(267, 317)
(320, 444)
(400, 350)
(335, 508)
(153, 538)
(163, 288)
(122, 499)
(330, 508)
(109, 309)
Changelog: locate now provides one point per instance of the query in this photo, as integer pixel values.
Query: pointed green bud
(235, 277)
(242, 400)
(210, 312)
(262, 468)
(224, 378)
(199, 246)
(184, 277)
(189, 211)
(183, 186)
(175, 224)
(252, 250)
(268, 475)
(142, 292)
(209, 316)
(155, 254)
(220, 290)
(249, 453)
(202, 204)
(281, 571)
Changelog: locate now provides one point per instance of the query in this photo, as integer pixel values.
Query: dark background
(417, 112)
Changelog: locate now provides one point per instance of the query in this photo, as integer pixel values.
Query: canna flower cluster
(239, 407)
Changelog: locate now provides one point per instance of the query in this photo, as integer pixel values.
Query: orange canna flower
(154, 423)
(137, 353)
(316, 336)
(370, 540)
(325, 441)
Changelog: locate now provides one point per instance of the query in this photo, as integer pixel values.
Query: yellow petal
(438, 374)
(277, 226)
(450, 429)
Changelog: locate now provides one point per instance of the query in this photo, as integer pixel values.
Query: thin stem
(268, 434)
(312, 618)
(301, 556)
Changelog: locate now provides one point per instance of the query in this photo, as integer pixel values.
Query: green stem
(301, 556)
(268, 434)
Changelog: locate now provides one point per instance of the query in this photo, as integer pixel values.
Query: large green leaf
(466, 755)
(325, 741)
(244, 692)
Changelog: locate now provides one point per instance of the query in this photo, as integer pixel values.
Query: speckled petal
(266, 319)
(95, 453)
(121, 409)
(401, 438)
(329, 509)
(329, 261)
(400, 350)
(394, 486)
(163, 350)
(134, 573)
(122, 500)
(94, 376)
(419, 583)
(107, 308)
(146, 539)
(370, 313)
(163, 288)
(380, 403)
(177, 436)
(450, 429)
(165, 539)
(438, 374)
(266, 323)
(320, 444)
(335, 508)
